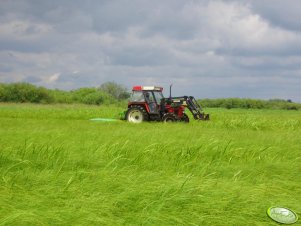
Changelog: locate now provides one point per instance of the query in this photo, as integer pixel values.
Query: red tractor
(148, 104)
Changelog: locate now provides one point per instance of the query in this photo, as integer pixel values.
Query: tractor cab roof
(147, 88)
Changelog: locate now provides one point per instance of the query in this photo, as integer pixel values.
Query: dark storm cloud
(285, 14)
(222, 45)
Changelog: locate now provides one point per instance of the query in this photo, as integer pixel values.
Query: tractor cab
(147, 96)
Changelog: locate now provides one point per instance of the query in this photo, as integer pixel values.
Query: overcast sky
(206, 48)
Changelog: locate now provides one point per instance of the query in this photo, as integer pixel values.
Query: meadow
(59, 168)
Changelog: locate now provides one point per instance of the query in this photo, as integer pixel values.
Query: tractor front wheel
(169, 117)
(185, 118)
(136, 114)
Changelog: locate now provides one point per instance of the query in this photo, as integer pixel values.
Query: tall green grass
(59, 168)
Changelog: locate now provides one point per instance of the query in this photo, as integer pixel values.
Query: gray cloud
(206, 48)
(284, 14)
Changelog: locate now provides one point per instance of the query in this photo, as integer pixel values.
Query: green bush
(79, 95)
(24, 92)
(117, 91)
(97, 98)
(2, 93)
(61, 97)
(91, 96)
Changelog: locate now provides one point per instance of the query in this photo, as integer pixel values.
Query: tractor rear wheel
(136, 114)
(169, 117)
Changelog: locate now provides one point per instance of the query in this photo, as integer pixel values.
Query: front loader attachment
(195, 109)
(193, 106)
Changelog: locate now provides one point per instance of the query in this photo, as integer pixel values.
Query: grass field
(59, 168)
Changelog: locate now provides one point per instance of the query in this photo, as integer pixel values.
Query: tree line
(113, 93)
(248, 103)
(107, 93)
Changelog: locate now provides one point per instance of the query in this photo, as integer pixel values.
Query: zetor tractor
(148, 104)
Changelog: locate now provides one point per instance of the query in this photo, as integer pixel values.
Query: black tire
(185, 118)
(169, 117)
(136, 114)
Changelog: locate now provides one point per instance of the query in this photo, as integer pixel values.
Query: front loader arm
(196, 109)
(192, 105)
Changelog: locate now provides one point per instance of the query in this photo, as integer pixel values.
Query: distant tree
(117, 91)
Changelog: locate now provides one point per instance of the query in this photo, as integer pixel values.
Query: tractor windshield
(158, 96)
(137, 96)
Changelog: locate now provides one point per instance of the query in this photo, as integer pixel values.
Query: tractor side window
(137, 96)
(158, 96)
(149, 97)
